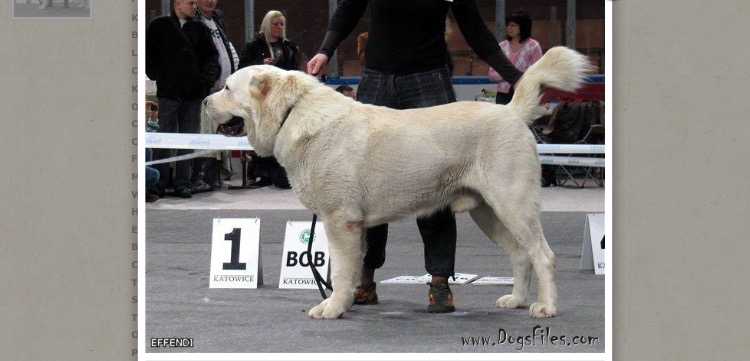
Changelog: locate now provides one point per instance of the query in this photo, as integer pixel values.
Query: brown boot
(366, 295)
(440, 299)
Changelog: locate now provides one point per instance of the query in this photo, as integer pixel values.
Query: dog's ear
(260, 85)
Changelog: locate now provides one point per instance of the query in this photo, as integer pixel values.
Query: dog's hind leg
(344, 243)
(495, 230)
(547, 304)
(521, 218)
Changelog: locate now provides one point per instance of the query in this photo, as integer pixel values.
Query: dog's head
(262, 95)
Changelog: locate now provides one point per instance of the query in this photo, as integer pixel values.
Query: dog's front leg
(344, 243)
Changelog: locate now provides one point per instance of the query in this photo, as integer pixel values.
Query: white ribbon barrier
(196, 141)
(572, 161)
(203, 153)
(209, 143)
(570, 148)
(221, 142)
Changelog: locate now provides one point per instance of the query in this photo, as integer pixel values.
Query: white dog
(360, 165)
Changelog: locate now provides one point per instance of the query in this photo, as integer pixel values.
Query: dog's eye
(226, 87)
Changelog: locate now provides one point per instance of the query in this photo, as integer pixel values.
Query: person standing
(209, 170)
(522, 50)
(407, 65)
(182, 59)
(229, 61)
(271, 47)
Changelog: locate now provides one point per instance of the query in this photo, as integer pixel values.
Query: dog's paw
(317, 311)
(327, 310)
(542, 310)
(334, 310)
(508, 301)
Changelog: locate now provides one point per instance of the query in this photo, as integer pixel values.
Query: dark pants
(503, 98)
(269, 168)
(177, 116)
(152, 177)
(408, 91)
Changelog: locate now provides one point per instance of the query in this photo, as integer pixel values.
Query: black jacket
(183, 61)
(257, 50)
(218, 18)
(409, 36)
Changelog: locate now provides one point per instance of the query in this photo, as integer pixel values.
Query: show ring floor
(180, 304)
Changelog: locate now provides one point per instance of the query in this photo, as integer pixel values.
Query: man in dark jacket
(182, 59)
(211, 169)
(213, 18)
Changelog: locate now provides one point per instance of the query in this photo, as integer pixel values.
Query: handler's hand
(317, 64)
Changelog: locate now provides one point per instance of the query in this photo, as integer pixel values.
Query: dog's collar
(291, 107)
(286, 116)
(289, 111)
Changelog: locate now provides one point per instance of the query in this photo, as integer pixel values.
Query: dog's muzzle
(235, 127)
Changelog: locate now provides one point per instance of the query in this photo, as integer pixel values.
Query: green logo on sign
(304, 236)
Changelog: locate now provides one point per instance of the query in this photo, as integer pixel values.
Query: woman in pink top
(520, 49)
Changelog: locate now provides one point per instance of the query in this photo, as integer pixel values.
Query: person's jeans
(177, 116)
(407, 91)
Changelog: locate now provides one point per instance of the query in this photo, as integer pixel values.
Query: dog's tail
(560, 68)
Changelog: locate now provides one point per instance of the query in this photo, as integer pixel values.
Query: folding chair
(594, 135)
(541, 129)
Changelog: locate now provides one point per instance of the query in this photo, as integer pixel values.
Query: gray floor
(180, 304)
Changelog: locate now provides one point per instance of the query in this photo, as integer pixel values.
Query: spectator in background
(347, 90)
(229, 61)
(407, 65)
(271, 45)
(152, 174)
(520, 48)
(273, 48)
(210, 169)
(152, 179)
(523, 51)
(182, 59)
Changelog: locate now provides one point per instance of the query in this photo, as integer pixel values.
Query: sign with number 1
(235, 253)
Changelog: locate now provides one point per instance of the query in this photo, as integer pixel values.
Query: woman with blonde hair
(271, 47)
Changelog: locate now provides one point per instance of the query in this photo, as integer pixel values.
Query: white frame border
(142, 355)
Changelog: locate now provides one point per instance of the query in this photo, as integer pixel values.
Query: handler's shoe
(183, 192)
(366, 295)
(441, 299)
